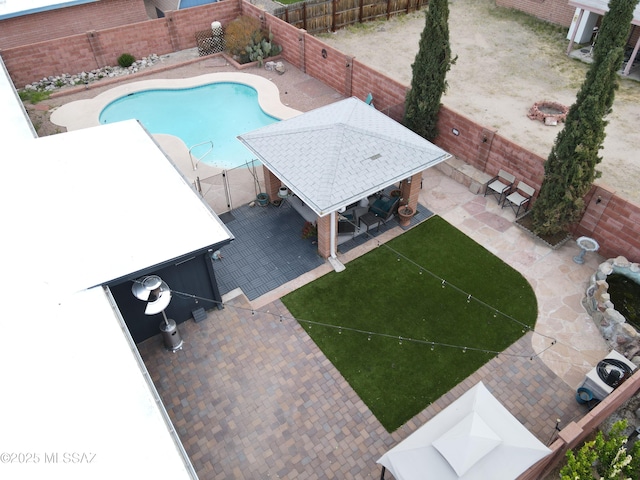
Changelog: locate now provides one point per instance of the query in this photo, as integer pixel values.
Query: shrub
(604, 458)
(33, 96)
(240, 33)
(126, 60)
(247, 41)
(309, 230)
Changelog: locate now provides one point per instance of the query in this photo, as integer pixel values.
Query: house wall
(192, 275)
(553, 11)
(68, 21)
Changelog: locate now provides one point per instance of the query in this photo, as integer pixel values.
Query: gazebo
(336, 155)
(474, 438)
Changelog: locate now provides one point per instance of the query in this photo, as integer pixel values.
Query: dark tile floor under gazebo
(269, 251)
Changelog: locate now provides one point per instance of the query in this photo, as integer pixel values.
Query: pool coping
(86, 113)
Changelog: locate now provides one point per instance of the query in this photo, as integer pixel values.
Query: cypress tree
(570, 168)
(430, 68)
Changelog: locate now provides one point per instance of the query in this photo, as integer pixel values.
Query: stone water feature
(612, 324)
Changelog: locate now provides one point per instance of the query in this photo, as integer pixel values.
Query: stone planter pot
(404, 215)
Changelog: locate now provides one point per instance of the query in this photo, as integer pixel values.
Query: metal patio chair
(500, 185)
(519, 198)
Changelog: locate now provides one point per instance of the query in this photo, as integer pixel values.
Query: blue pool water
(217, 111)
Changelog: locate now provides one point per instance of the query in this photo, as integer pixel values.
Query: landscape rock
(52, 83)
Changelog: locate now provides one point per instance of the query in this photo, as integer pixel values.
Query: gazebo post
(410, 190)
(324, 236)
(271, 184)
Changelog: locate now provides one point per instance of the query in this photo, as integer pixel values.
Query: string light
(421, 270)
(310, 323)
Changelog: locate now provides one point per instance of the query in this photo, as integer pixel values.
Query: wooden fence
(317, 16)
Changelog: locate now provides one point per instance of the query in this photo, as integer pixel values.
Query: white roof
(77, 210)
(335, 155)
(105, 200)
(601, 7)
(16, 8)
(474, 438)
(71, 385)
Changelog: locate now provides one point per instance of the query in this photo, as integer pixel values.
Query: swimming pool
(217, 111)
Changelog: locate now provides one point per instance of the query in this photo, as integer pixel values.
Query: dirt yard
(503, 67)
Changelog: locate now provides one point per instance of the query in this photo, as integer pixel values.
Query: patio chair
(380, 211)
(519, 198)
(500, 185)
(369, 99)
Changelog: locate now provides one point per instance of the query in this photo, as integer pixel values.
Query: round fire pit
(549, 113)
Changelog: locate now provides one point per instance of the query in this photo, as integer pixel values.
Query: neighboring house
(580, 16)
(23, 22)
(84, 214)
(553, 11)
(157, 8)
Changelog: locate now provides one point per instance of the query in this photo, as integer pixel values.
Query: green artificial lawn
(384, 293)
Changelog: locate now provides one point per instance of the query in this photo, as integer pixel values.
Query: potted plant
(309, 230)
(405, 212)
(262, 199)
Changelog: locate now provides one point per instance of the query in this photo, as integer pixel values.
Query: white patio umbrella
(474, 438)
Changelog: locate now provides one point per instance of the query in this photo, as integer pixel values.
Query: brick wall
(572, 435)
(98, 48)
(69, 21)
(553, 11)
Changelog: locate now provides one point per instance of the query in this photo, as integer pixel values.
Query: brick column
(411, 190)
(271, 184)
(324, 236)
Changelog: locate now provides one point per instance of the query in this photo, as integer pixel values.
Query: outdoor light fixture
(455, 131)
(153, 290)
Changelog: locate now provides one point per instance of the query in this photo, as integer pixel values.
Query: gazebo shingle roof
(335, 155)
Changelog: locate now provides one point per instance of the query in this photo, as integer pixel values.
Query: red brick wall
(91, 50)
(573, 434)
(553, 11)
(64, 22)
(334, 70)
(612, 221)
(388, 95)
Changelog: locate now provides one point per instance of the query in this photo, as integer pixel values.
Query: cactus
(261, 48)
